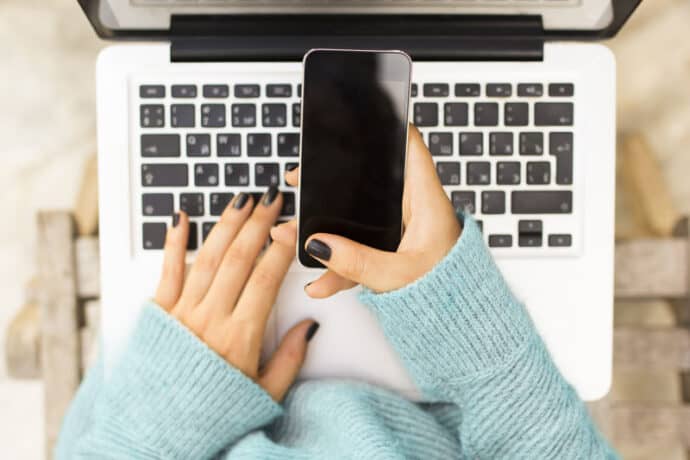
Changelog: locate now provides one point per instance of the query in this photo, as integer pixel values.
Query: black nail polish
(290, 166)
(241, 200)
(270, 195)
(311, 331)
(307, 285)
(319, 250)
(176, 219)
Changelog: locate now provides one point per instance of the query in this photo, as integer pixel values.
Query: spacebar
(542, 202)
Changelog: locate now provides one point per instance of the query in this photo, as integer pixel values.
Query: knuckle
(265, 278)
(356, 266)
(238, 254)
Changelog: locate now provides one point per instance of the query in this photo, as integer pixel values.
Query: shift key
(542, 202)
(164, 175)
(160, 145)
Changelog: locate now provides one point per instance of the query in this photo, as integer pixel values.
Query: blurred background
(47, 130)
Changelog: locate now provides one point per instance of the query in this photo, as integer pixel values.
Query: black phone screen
(353, 147)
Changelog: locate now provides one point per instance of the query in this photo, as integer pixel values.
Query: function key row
(507, 173)
(215, 115)
(227, 145)
(219, 91)
(209, 174)
(494, 89)
(426, 114)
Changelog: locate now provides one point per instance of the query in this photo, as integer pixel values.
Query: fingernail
(307, 285)
(176, 219)
(290, 166)
(311, 331)
(319, 250)
(270, 195)
(240, 200)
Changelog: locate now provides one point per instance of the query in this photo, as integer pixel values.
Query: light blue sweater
(467, 342)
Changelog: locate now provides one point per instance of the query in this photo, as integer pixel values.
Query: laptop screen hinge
(289, 37)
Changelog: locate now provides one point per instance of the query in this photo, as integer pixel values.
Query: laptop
(518, 111)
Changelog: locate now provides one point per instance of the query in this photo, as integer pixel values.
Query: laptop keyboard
(503, 151)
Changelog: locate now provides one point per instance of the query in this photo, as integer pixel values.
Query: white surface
(569, 297)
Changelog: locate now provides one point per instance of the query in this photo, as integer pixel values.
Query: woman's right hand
(431, 229)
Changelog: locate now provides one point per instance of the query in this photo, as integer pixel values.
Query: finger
(211, 253)
(373, 268)
(328, 284)
(292, 177)
(172, 274)
(282, 369)
(238, 260)
(285, 233)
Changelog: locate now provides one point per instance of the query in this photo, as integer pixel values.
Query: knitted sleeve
(466, 339)
(169, 397)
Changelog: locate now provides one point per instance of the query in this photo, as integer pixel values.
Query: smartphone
(353, 146)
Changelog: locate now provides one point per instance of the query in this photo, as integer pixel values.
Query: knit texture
(467, 342)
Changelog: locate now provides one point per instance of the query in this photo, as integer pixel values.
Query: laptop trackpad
(349, 345)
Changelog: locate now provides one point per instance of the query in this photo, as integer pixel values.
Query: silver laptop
(519, 118)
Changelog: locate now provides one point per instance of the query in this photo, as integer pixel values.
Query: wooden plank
(651, 348)
(649, 423)
(651, 268)
(60, 341)
(86, 206)
(89, 334)
(88, 268)
(23, 343)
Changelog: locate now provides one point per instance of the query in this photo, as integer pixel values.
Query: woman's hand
(227, 296)
(431, 230)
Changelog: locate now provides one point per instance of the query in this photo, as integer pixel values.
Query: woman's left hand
(227, 296)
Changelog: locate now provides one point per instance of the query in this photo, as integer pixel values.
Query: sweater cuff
(458, 320)
(177, 396)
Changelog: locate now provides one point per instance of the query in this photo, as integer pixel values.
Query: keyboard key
(247, 91)
(448, 172)
(192, 204)
(182, 115)
(151, 91)
(530, 233)
(436, 90)
(561, 146)
(288, 208)
(542, 202)
(229, 145)
(152, 116)
(508, 172)
(480, 224)
(561, 89)
(296, 110)
(467, 89)
(500, 241)
(256, 197)
(426, 114)
(216, 91)
(274, 115)
(441, 143)
(279, 90)
(243, 115)
(493, 202)
(237, 174)
(530, 89)
(266, 174)
(157, 204)
(154, 235)
(471, 143)
(485, 114)
(498, 89)
(213, 115)
(464, 201)
(259, 145)
(553, 114)
(206, 228)
(160, 145)
(501, 144)
(299, 90)
(455, 113)
(206, 174)
(531, 143)
(198, 145)
(478, 173)
(516, 114)
(560, 240)
(529, 240)
(193, 237)
(530, 226)
(413, 90)
(183, 91)
(164, 175)
(288, 144)
(219, 201)
(538, 173)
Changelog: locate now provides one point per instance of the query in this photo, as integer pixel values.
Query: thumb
(378, 270)
(282, 369)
